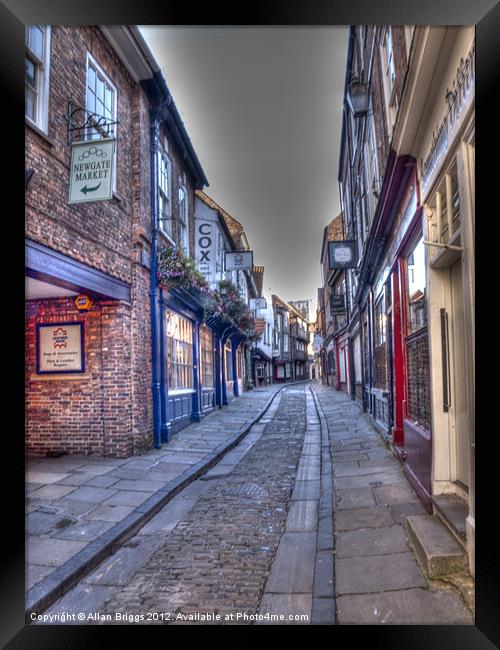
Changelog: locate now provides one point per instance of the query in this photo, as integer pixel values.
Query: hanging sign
(317, 342)
(260, 325)
(258, 303)
(342, 254)
(337, 303)
(91, 171)
(238, 260)
(59, 348)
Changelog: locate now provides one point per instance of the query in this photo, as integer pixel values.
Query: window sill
(39, 131)
(181, 391)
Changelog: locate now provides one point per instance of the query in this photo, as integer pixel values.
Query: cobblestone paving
(218, 557)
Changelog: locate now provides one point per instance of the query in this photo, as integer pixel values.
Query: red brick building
(90, 391)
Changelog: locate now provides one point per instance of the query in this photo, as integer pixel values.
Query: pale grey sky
(263, 109)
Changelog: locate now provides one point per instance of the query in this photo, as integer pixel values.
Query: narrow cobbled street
(302, 522)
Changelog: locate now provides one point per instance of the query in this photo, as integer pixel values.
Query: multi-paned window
(165, 191)
(36, 75)
(444, 207)
(183, 218)
(100, 101)
(179, 351)
(101, 105)
(389, 76)
(207, 357)
(416, 284)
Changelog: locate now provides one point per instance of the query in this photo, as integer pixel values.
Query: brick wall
(98, 233)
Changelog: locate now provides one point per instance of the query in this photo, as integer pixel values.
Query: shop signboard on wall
(59, 348)
(238, 260)
(92, 170)
(342, 254)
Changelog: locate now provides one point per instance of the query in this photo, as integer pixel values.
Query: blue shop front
(202, 361)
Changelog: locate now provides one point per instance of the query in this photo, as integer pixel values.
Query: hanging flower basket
(178, 270)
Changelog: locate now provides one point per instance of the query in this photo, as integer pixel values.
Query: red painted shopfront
(410, 385)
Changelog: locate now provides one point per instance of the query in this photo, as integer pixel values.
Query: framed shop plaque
(60, 348)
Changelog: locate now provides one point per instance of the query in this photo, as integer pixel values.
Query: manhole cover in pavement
(248, 490)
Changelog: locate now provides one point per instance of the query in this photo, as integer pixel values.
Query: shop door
(458, 375)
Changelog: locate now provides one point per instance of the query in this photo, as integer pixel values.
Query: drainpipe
(218, 371)
(164, 427)
(196, 407)
(156, 359)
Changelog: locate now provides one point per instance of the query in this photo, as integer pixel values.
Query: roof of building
(235, 228)
(334, 231)
(258, 274)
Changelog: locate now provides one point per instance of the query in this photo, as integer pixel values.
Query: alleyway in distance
(252, 541)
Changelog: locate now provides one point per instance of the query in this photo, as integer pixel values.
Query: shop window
(443, 208)
(36, 75)
(416, 284)
(380, 352)
(165, 191)
(179, 351)
(417, 344)
(357, 360)
(207, 357)
(229, 363)
(280, 372)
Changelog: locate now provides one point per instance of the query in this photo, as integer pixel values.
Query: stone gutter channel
(61, 580)
(301, 582)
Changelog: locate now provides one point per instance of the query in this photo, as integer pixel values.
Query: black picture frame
(333, 245)
(81, 370)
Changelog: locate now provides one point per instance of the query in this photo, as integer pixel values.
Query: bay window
(179, 351)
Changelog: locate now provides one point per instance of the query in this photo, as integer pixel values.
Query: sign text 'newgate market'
(91, 173)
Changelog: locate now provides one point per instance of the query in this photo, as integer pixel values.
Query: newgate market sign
(91, 172)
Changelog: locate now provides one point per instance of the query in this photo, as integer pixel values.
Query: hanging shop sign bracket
(85, 125)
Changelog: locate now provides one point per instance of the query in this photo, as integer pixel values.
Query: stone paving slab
(355, 498)
(286, 605)
(374, 517)
(371, 541)
(84, 530)
(302, 516)
(404, 607)
(50, 551)
(377, 573)
(305, 490)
